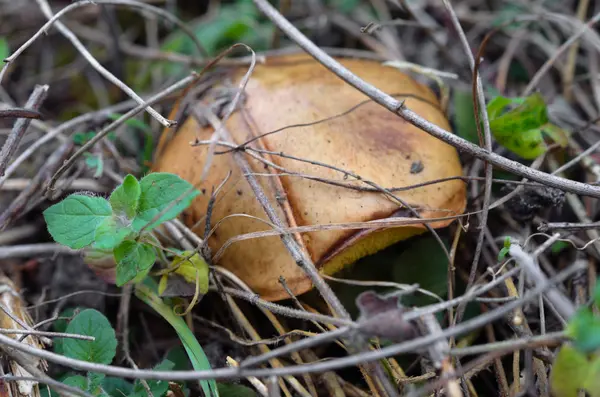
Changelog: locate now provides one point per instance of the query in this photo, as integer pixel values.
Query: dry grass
(100, 59)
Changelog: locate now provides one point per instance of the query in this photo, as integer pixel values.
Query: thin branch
(24, 199)
(567, 226)
(45, 7)
(143, 7)
(68, 390)
(20, 113)
(20, 128)
(230, 373)
(535, 80)
(562, 304)
(296, 346)
(408, 316)
(400, 109)
(231, 107)
(346, 173)
(29, 250)
(552, 338)
(87, 184)
(63, 128)
(286, 311)
(72, 294)
(479, 108)
(375, 224)
(298, 253)
(45, 333)
(244, 145)
(115, 124)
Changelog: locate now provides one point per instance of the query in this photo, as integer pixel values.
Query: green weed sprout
(103, 349)
(521, 129)
(577, 364)
(123, 225)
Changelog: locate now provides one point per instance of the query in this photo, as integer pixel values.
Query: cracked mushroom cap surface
(354, 134)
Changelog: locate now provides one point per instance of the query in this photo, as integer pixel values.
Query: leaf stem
(145, 291)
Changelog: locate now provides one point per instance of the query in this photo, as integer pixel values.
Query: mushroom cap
(367, 139)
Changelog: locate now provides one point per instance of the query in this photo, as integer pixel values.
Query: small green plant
(577, 364)
(94, 162)
(122, 224)
(519, 124)
(144, 156)
(505, 249)
(101, 350)
(186, 266)
(82, 138)
(521, 129)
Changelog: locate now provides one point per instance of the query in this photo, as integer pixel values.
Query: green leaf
(77, 381)
(559, 246)
(497, 105)
(228, 26)
(132, 259)
(179, 358)
(92, 323)
(584, 329)
(464, 116)
(94, 384)
(569, 372)
(557, 134)
(117, 387)
(422, 262)
(345, 6)
(233, 390)
(192, 268)
(592, 382)
(157, 387)
(110, 233)
(502, 254)
(73, 221)
(505, 249)
(509, 12)
(528, 144)
(61, 325)
(134, 123)
(160, 191)
(597, 293)
(45, 391)
(126, 197)
(145, 156)
(4, 49)
(81, 138)
(520, 129)
(95, 163)
(233, 23)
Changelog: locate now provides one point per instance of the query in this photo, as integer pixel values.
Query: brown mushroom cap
(369, 141)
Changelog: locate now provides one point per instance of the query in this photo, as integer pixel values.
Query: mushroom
(295, 91)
